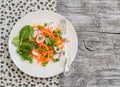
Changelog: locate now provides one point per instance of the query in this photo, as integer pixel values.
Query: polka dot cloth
(10, 12)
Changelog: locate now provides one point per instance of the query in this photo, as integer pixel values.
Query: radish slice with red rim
(37, 32)
(40, 38)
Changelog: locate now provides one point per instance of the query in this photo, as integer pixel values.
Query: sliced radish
(52, 26)
(37, 32)
(40, 38)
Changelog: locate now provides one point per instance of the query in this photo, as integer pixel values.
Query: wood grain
(97, 24)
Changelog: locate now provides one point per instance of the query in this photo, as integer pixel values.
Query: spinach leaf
(26, 33)
(15, 41)
(25, 55)
(24, 50)
(28, 45)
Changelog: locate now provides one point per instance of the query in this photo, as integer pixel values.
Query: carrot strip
(45, 56)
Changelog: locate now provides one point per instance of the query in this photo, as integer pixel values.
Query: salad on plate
(39, 42)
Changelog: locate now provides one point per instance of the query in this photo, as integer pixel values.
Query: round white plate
(52, 68)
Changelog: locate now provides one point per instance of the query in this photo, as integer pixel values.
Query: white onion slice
(40, 38)
(52, 25)
(36, 32)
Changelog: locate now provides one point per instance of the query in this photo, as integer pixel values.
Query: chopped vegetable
(40, 49)
(40, 38)
(64, 53)
(40, 43)
(45, 64)
(39, 27)
(16, 41)
(27, 32)
(49, 41)
(51, 47)
(45, 24)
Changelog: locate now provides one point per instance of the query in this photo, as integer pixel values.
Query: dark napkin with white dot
(10, 12)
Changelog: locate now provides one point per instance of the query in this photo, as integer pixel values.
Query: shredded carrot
(45, 55)
(35, 26)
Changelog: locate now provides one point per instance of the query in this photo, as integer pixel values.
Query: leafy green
(28, 45)
(26, 33)
(25, 43)
(24, 50)
(25, 54)
(56, 60)
(31, 60)
(15, 41)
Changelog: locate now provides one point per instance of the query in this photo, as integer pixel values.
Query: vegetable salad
(39, 42)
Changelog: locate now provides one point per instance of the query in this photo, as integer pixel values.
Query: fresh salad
(39, 42)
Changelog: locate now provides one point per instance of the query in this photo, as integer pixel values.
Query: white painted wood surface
(97, 23)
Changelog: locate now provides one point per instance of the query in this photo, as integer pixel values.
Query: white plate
(52, 68)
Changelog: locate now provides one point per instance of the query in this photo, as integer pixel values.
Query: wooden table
(97, 24)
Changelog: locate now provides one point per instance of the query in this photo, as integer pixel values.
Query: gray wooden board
(97, 24)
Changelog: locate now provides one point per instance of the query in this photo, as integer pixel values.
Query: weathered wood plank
(97, 23)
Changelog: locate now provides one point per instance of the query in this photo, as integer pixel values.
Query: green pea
(56, 60)
(58, 49)
(45, 24)
(46, 49)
